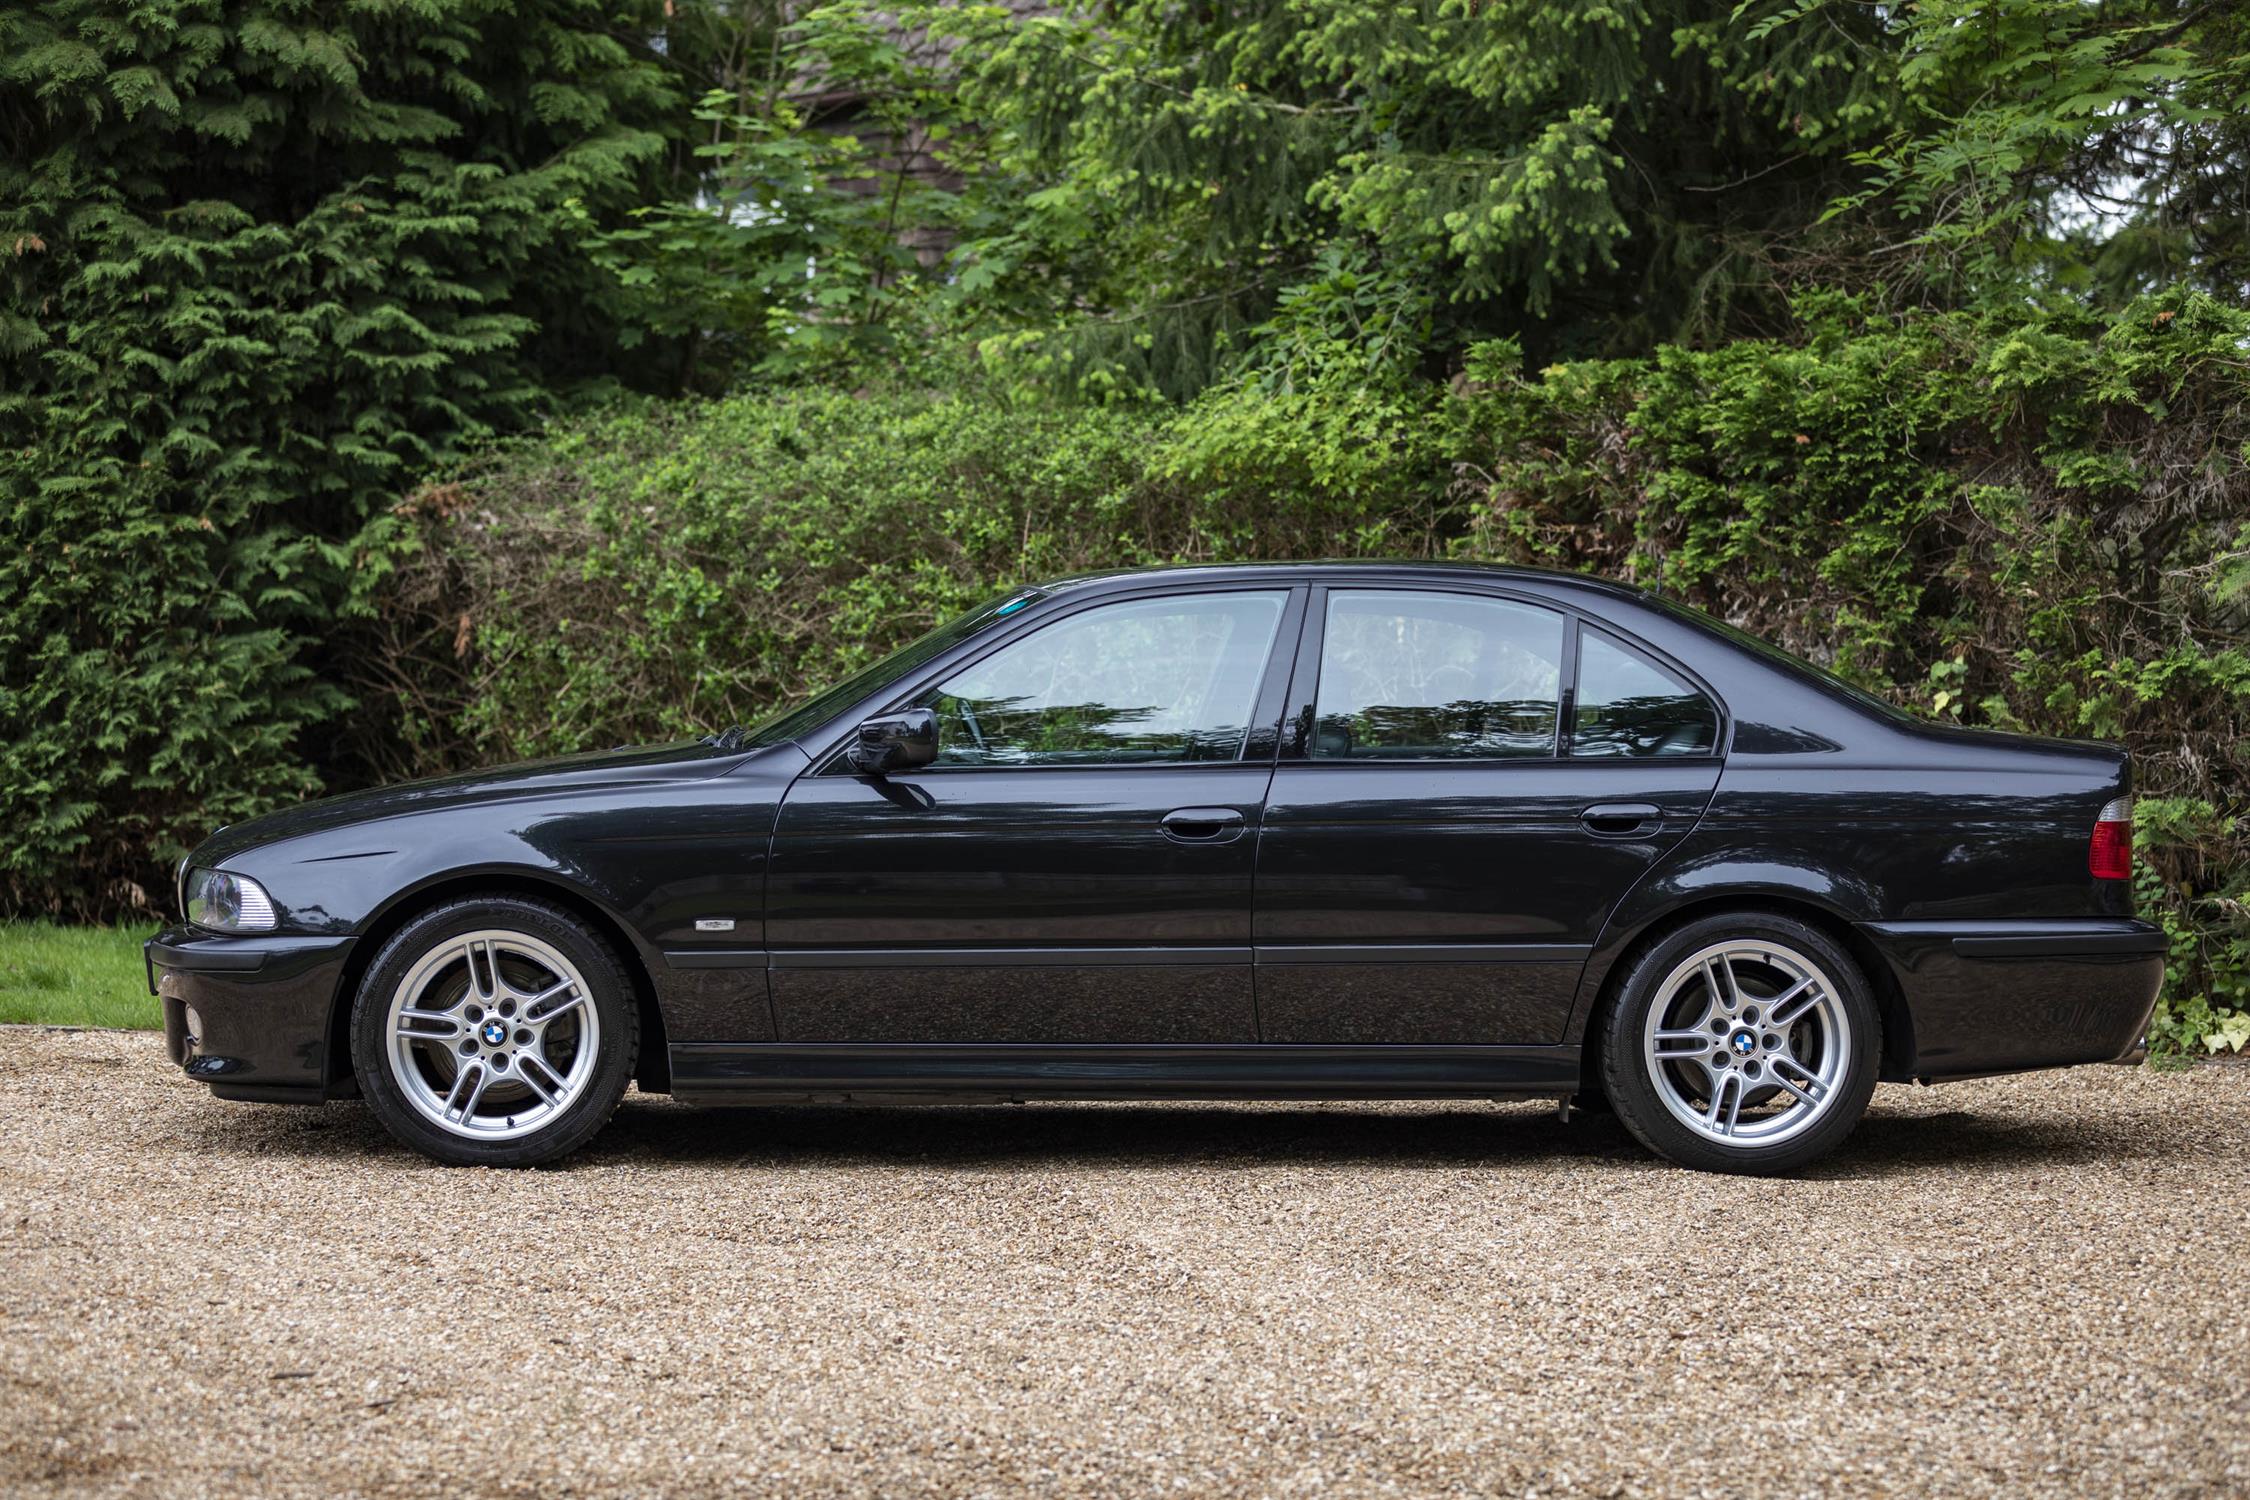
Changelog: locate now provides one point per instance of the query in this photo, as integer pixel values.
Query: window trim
(1259, 739)
(1721, 727)
(1304, 682)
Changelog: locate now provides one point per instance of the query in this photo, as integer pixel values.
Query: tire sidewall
(1632, 1093)
(609, 996)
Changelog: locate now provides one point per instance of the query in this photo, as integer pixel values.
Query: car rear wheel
(1745, 1042)
(494, 1031)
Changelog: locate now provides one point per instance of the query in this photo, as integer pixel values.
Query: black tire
(609, 1066)
(1640, 1098)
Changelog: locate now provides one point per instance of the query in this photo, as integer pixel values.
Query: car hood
(688, 760)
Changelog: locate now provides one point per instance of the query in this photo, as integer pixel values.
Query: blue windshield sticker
(1013, 605)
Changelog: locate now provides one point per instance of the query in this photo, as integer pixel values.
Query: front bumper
(250, 1016)
(2004, 997)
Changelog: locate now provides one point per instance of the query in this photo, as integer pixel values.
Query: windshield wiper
(729, 738)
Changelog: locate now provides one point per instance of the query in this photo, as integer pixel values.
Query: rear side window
(1425, 675)
(1629, 706)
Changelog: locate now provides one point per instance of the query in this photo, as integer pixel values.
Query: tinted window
(1437, 675)
(1148, 680)
(1628, 705)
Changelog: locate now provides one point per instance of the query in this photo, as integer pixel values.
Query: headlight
(225, 902)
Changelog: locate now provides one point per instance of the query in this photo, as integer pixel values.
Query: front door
(1445, 839)
(1076, 865)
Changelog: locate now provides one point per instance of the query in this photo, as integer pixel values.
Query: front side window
(1414, 675)
(1171, 679)
(1628, 705)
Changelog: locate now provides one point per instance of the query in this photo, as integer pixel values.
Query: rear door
(1471, 782)
(1075, 867)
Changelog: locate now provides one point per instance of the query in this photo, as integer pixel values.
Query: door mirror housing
(894, 742)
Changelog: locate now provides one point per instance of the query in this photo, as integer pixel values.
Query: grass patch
(74, 976)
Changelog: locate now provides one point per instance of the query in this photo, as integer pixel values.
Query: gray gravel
(2031, 1285)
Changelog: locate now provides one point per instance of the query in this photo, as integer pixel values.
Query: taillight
(2110, 854)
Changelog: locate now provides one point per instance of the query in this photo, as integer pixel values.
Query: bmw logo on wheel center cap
(494, 1033)
(1743, 1042)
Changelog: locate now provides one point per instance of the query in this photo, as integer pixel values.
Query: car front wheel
(1745, 1042)
(494, 1031)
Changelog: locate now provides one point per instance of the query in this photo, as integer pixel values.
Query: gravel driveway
(2026, 1285)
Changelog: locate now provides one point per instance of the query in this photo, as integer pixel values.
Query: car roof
(1328, 569)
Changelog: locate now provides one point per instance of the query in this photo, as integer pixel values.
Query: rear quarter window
(1628, 706)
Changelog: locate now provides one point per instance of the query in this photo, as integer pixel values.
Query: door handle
(1202, 825)
(1621, 817)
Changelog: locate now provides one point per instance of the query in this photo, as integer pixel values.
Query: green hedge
(2036, 525)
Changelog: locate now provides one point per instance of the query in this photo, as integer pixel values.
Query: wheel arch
(652, 1070)
(1891, 1009)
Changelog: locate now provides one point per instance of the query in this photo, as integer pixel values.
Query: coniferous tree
(260, 266)
(1587, 178)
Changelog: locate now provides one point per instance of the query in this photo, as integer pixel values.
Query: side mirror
(894, 742)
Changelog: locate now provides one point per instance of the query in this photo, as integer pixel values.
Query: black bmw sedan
(1315, 831)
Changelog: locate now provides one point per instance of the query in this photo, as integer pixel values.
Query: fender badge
(714, 924)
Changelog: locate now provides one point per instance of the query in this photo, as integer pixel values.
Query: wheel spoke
(1783, 1014)
(1682, 1044)
(1812, 1091)
(1795, 1092)
(570, 999)
(467, 1092)
(484, 978)
(1726, 1104)
(1718, 972)
(434, 1024)
(532, 1068)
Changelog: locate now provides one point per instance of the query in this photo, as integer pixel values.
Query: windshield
(789, 723)
(1768, 650)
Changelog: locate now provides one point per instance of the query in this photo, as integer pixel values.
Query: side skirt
(870, 1072)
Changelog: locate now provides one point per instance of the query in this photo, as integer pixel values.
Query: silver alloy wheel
(492, 1034)
(1747, 1042)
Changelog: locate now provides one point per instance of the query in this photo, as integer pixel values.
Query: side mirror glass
(894, 742)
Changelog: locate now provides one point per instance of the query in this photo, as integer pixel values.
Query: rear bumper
(2003, 997)
(249, 1016)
